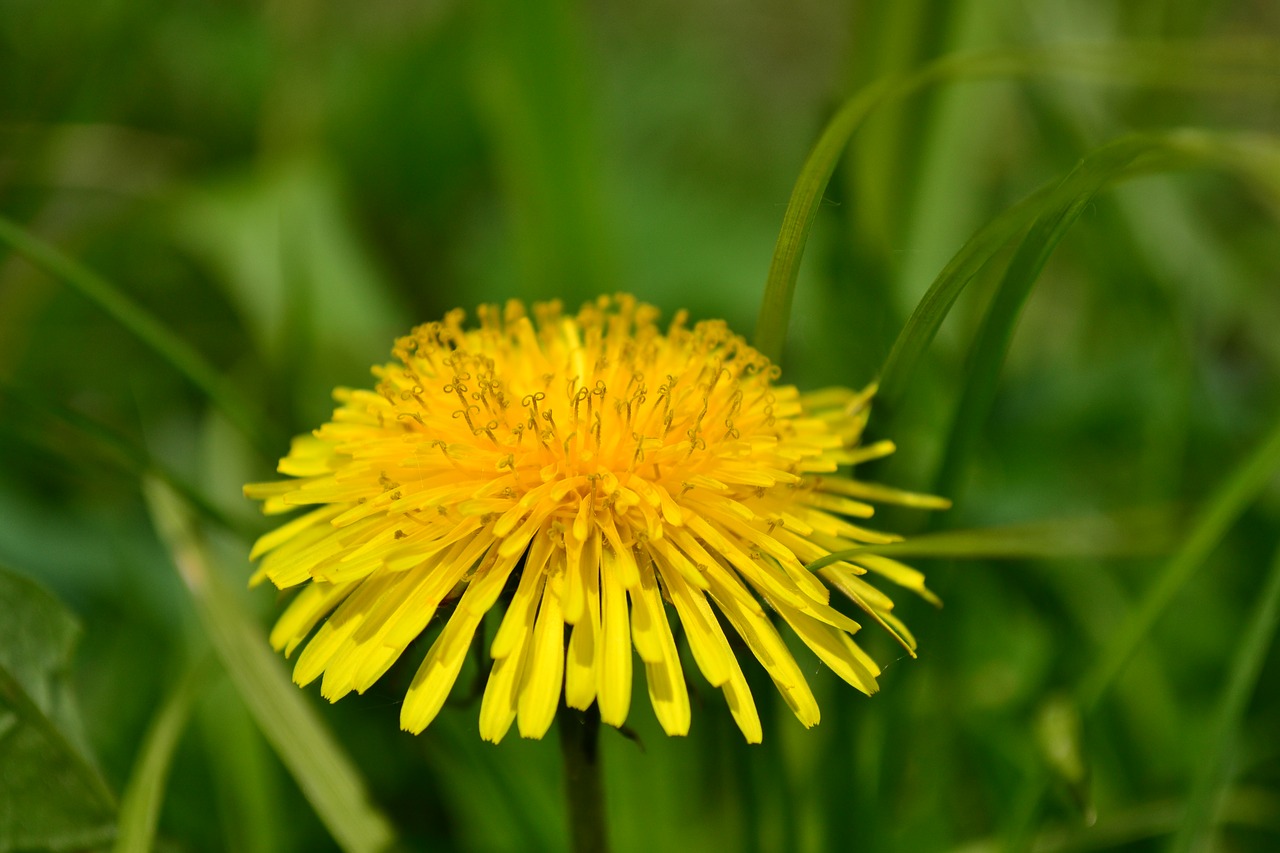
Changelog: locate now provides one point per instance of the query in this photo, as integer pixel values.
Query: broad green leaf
(1200, 65)
(323, 771)
(1213, 770)
(143, 796)
(52, 795)
(146, 328)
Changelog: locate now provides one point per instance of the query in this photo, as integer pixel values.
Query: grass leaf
(1201, 65)
(1131, 533)
(1049, 212)
(1211, 524)
(327, 777)
(1058, 209)
(1213, 772)
(142, 325)
(143, 796)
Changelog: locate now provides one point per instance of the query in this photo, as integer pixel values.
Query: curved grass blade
(145, 328)
(143, 796)
(1200, 65)
(1131, 533)
(1054, 206)
(1212, 522)
(327, 777)
(1062, 206)
(1212, 773)
(1210, 525)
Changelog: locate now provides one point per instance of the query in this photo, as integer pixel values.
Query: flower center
(580, 416)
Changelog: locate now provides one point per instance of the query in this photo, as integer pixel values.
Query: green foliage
(51, 792)
(140, 806)
(1049, 229)
(319, 765)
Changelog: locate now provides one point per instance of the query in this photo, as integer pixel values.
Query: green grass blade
(146, 328)
(144, 794)
(326, 776)
(1055, 207)
(1212, 522)
(1200, 65)
(1046, 215)
(1212, 772)
(1131, 533)
(802, 210)
(1118, 161)
(992, 343)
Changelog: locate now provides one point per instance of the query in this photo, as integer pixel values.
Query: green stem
(584, 785)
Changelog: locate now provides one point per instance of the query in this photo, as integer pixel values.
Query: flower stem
(584, 786)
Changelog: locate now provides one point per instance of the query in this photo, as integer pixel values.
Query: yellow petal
(519, 619)
(673, 557)
(569, 562)
(667, 689)
(285, 532)
(438, 672)
(624, 558)
(315, 657)
(741, 705)
(763, 640)
(901, 574)
(828, 644)
(707, 642)
(777, 582)
(544, 669)
(883, 494)
(306, 609)
(615, 670)
(848, 584)
(498, 708)
(582, 671)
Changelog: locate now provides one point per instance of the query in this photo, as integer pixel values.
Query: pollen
(592, 477)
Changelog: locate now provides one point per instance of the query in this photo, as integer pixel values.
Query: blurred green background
(285, 186)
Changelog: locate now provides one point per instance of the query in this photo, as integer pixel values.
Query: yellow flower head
(603, 468)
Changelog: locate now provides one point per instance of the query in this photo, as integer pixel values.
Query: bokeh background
(287, 185)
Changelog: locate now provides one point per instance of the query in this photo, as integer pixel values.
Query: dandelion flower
(601, 476)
